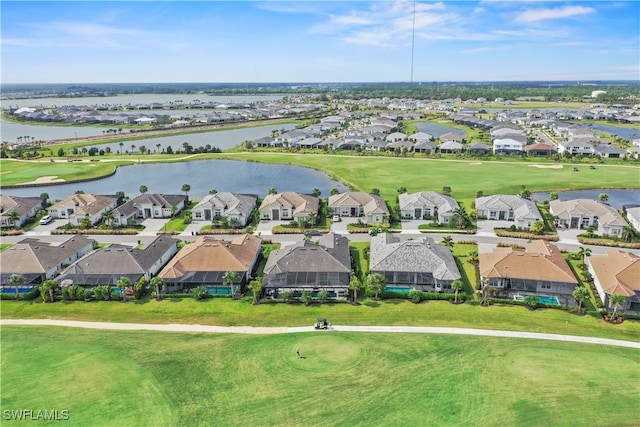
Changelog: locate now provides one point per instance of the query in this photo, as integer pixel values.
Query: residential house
(451, 147)
(234, 207)
(205, 261)
(584, 213)
(24, 207)
(148, 205)
(420, 264)
(360, 204)
(78, 206)
(576, 147)
(507, 146)
(609, 151)
(427, 205)
(523, 212)
(452, 137)
(539, 270)
(288, 206)
(633, 216)
(617, 272)
(478, 149)
(307, 266)
(105, 266)
(37, 260)
(540, 150)
(421, 137)
(396, 136)
(425, 147)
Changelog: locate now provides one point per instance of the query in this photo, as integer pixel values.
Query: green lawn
(4, 246)
(225, 312)
(165, 379)
(14, 172)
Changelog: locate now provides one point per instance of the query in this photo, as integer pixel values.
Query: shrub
(199, 293)
(415, 296)
(306, 297)
(288, 296)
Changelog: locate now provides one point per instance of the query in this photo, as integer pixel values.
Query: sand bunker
(45, 180)
(546, 166)
(475, 164)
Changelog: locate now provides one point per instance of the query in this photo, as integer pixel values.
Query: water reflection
(201, 175)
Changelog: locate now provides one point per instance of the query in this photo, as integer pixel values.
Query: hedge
(32, 294)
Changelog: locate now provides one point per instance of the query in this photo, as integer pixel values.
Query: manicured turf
(224, 312)
(151, 378)
(14, 172)
(465, 177)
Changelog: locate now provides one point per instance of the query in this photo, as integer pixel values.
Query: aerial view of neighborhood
(322, 213)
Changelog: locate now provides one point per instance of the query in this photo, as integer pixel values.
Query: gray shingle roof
(388, 253)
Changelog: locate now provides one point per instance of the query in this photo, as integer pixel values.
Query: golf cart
(321, 323)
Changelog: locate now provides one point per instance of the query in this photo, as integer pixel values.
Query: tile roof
(210, 254)
(618, 272)
(301, 204)
(371, 203)
(331, 254)
(606, 214)
(540, 261)
(388, 253)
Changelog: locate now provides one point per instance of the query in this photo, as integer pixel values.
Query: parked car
(336, 218)
(314, 233)
(46, 219)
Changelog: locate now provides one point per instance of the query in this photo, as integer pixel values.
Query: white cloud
(536, 15)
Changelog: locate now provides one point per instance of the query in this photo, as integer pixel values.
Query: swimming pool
(397, 289)
(542, 299)
(217, 290)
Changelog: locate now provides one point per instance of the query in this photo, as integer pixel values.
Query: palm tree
(376, 283)
(618, 301)
(603, 197)
(121, 144)
(462, 214)
(355, 285)
(628, 233)
(213, 191)
(46, 290)
(158, 147)
(133, 147)
(583, 253)
(580, 293)
(157, 282)
(272, 191)
(143, 189)
(484, 283)
(186, 188)
(44, 197)
(256, 287)
(312, 218)
(473, 257)
(16, 280)
(456, 285)
(13, 217)
(229, 278)
(316, 192)
(447, 241)
(123, 284)
(107, 218)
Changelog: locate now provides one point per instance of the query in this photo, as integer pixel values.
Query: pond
(626, 133)
(437, 130)
(202, 175)
(617, 198)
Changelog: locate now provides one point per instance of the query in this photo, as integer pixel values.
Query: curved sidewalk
(285, 330)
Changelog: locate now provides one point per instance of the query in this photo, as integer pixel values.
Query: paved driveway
(340, 227)
(486, 226)
(152, 226)
(265, 226)
(45, 230)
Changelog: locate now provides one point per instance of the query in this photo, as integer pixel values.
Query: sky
(318, 41)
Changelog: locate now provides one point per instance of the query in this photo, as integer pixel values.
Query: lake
(626, 133)
(201, 175)
(436, 129)
(617, 198)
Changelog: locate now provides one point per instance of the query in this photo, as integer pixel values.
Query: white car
(336, 218)
(46, 219)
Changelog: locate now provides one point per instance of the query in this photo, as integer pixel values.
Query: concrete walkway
(289, 330)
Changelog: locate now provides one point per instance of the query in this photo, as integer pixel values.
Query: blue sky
(316, 41)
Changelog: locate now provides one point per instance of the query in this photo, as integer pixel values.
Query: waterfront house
(419, 264)
(523, 212)
(205, 261)
(78, 206)
(234, 207)
(451, 137)
(371, 207)
(633, 216)
(427, 205)
(148, 205)
(24, 207)
(307, 266)
(288, 205)
(584, 213)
